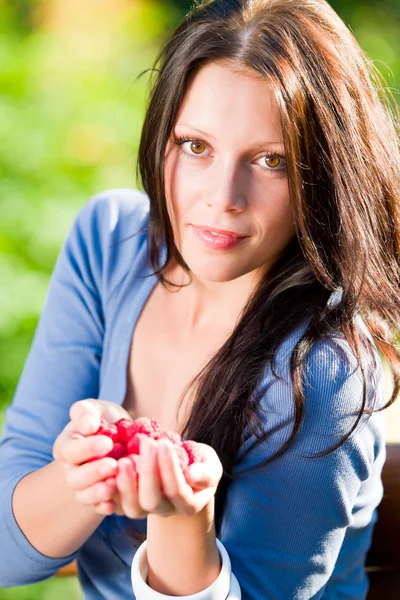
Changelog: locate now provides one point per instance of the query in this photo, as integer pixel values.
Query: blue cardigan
(298, 528)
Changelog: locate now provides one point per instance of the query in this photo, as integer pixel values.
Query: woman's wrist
(194, 563)
(225, 585)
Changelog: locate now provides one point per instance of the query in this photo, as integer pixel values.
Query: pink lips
(224, 241)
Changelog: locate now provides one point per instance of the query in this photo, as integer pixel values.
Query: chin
(215, 274)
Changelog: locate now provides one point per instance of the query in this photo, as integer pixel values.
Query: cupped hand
(155, 483)
(92, 482)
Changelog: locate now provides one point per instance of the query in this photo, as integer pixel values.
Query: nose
(226, 188)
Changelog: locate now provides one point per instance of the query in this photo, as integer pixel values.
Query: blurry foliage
(71, 110)
(61, 588)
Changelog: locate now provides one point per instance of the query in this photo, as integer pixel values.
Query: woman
(251, 286)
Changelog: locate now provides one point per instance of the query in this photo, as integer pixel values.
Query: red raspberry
(133, 446)
(146, 425)
(172, 436)
(118, 451)
(126, 429)
(192, 451)
(108, 429)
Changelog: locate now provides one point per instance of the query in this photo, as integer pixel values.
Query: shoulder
(107, 237)
(115, 212)
(334, 386)
(331, 364)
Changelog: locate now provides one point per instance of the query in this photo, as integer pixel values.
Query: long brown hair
(344, 179)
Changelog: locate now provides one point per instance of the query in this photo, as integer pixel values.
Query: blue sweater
(296, 529)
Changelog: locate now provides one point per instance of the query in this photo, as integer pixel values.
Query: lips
(226, 232)
(220, 241)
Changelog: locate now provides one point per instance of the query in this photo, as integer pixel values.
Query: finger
(176, 489)
(105, 508)
(77, 450)
(186, 500)
(149, 492)
(117, 504)
(85, 415)
(58, 446)
(113, 505)
(197, 476)
(111, 411)
(127, 486)
(108, 507)
(99, 492)
(210, 468)
(80, 477)
(201, 498)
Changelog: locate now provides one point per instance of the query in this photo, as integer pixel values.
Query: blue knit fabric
(296, 529)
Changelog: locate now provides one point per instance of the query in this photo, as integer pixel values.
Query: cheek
(284, 224)
(276, 209)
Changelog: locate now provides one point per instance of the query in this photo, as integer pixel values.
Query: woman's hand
(93, 482)
(157, 484)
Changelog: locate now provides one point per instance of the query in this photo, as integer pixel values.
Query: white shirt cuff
(225, 587)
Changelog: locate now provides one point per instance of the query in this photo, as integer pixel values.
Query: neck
(208, 304)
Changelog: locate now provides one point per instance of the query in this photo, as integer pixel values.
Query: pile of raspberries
(127, 433)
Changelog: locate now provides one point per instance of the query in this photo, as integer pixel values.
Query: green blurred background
(71, 111)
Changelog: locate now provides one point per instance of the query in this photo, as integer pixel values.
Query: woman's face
(230, 175)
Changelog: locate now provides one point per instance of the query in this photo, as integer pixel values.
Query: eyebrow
(211, 137)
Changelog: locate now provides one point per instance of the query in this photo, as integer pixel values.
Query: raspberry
(192, 451)
(127, 434)
(126, 429)
(172, 436)
(108, 429)
(146, 425)
(133, 446)
(118, 451)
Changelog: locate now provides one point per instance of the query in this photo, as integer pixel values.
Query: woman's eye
(271, 162)
(197, 147)
(274, 162)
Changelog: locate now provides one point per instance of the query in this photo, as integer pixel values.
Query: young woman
(242, 300)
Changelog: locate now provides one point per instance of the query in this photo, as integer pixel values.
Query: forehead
(221, 93)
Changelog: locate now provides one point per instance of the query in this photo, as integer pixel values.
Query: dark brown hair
(343, 162)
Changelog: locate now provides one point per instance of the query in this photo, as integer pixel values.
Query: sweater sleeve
(62, 367)
(284, 523)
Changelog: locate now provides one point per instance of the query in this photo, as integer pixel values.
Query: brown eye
(273, 161)
(197, 147)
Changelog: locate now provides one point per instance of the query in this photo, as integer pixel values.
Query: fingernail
(106, 469)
